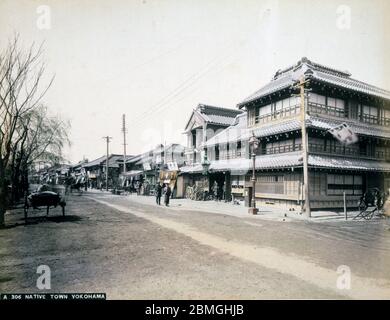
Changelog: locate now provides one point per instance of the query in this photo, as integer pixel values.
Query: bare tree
(21, 92)
(43, 138)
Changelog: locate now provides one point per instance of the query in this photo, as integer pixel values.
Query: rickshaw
(44, 198)
(370, 204)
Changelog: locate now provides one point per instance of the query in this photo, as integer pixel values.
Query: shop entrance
(217, 184)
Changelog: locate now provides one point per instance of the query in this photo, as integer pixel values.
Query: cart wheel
(362, 207)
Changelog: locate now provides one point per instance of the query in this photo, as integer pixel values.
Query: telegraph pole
(107, 138)
(124, 142)
(305, 146)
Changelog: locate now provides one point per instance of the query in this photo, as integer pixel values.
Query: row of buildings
(218, 150)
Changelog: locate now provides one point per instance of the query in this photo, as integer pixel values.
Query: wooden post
(345, 206)
(304, 147)
(107, 138)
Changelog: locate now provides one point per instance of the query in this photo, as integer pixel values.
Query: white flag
(344, 134)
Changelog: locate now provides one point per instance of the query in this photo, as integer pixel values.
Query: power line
(180, 89)
(187, 83)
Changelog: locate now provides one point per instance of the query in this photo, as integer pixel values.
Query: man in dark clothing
(168, 192)
(158, 193)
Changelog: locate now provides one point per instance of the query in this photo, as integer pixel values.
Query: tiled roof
(236, 133)
(215, 115)
(144, 160)
(241, 133)
(283, 160)
(132, 173)
(231, 133)
(358, 128)
(212, 110)
(275, 128)
(112, 161)
(134, 159)
(352, 84)
(288, 160)
(197, 168)
(285, 78)
(238, 164)
(346, 163)
(177, 148)
(273, 86)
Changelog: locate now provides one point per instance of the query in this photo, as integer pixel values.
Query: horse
(75, 184)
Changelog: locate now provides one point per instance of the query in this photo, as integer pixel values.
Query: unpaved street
(130, 250)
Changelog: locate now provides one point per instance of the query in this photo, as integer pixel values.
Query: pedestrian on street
(215, 190)
(158, 193)
(167, 194)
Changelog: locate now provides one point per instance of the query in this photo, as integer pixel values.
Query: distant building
(96, 170)
(160, 164)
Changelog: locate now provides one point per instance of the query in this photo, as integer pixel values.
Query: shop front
(170, 178)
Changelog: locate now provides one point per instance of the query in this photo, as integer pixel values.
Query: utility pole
(305, 147)
(107, 138)
(124, 142)
(165, 152)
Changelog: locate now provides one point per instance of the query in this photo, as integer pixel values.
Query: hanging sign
(344, 134)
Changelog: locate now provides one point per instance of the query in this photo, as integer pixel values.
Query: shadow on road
(43, 219)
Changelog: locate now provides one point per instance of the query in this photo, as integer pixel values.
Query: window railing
(314, 108)
(383, 121)
(282, 149)
(369, 119)
(317, 108)
(230, 155)
(348, 151)
(277, 114)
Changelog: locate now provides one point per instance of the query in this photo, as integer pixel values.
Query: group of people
(165, 190)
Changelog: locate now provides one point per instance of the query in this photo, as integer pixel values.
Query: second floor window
(317, 98)
(369, 114)
(326, 105)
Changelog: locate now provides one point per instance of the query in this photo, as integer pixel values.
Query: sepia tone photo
(194, 150)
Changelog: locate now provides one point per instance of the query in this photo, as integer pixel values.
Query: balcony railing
(282, 113)
(335, 149)
(382, 121)
(230, 155)
(348, 151)
(317, 108)
(282, 149)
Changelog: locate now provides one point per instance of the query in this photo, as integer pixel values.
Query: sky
(155, 61)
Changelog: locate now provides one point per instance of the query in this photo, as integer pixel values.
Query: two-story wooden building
(273, 114)
(204, 123)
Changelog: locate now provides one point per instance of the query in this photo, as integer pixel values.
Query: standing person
(215, 190)
(158, 193)
(167, 193)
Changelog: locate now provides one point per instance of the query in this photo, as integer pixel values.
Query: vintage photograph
(194, 150)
